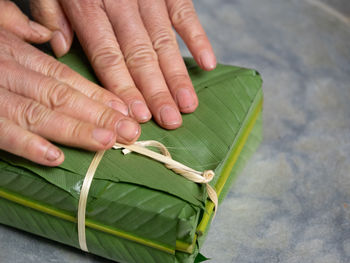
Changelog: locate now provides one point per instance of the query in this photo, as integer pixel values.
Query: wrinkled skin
(42, 99)
(133, 50)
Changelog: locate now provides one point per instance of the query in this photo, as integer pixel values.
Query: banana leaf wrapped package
(137, 209)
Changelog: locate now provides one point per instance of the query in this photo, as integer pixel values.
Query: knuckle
(88, 6)
(178, 78)
(197, 37)
(8, 44)
(75, 130)
(42, 10)
(58, 70)
(6, 65)
(159, 96)
(164, 40)
(97, 94)
(105, 58)
(33, 115)
(100, 94)
(29, 57)
(106, 118)
(140, 56)
(125, 92)
(182, 12)
(59, 96)
(81, 8)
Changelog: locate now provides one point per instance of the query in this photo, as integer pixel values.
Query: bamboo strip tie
(140, 147)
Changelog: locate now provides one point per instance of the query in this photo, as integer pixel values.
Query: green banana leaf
(200, 258)
(138, 210)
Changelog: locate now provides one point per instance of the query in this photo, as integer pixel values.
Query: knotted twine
(140, 147)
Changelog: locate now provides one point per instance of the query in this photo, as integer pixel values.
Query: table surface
(292, 201)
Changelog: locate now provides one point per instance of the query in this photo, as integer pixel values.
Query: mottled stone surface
(292, 202)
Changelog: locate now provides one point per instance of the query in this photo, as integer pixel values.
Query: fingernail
(52, 154)
(59, 44)
(169, 116)
(207, 59)
(103, 136)
(127, 129)
(140, 111)
(119, 106)
(184, 98)
(41, 30)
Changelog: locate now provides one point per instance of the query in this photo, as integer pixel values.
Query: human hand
(131, 44)
(42, 99)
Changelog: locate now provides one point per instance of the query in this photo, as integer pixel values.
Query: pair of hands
(133, 50)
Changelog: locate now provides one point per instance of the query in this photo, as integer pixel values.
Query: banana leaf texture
(138, 210)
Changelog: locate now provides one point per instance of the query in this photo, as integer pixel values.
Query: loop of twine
(140, 147)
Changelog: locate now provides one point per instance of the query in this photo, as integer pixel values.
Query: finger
(61, 98)
(33, 59)
(142, 62)
(156, 20)
(186, 23)
(98, 40)
(58, 127)
(50, 14)
(21, 142)
(13, 20)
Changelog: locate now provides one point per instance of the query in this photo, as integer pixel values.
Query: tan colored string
(140, 147)
(84, 192)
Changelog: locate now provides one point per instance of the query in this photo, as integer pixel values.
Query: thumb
(12, 19)
(50, 14)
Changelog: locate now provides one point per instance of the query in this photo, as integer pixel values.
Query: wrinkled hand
(131, 43)
(42, 99)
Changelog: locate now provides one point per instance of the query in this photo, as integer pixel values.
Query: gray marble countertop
(292, 201)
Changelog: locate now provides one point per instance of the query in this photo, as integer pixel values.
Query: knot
(140, 147)
(179, 168)
(208, 175)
